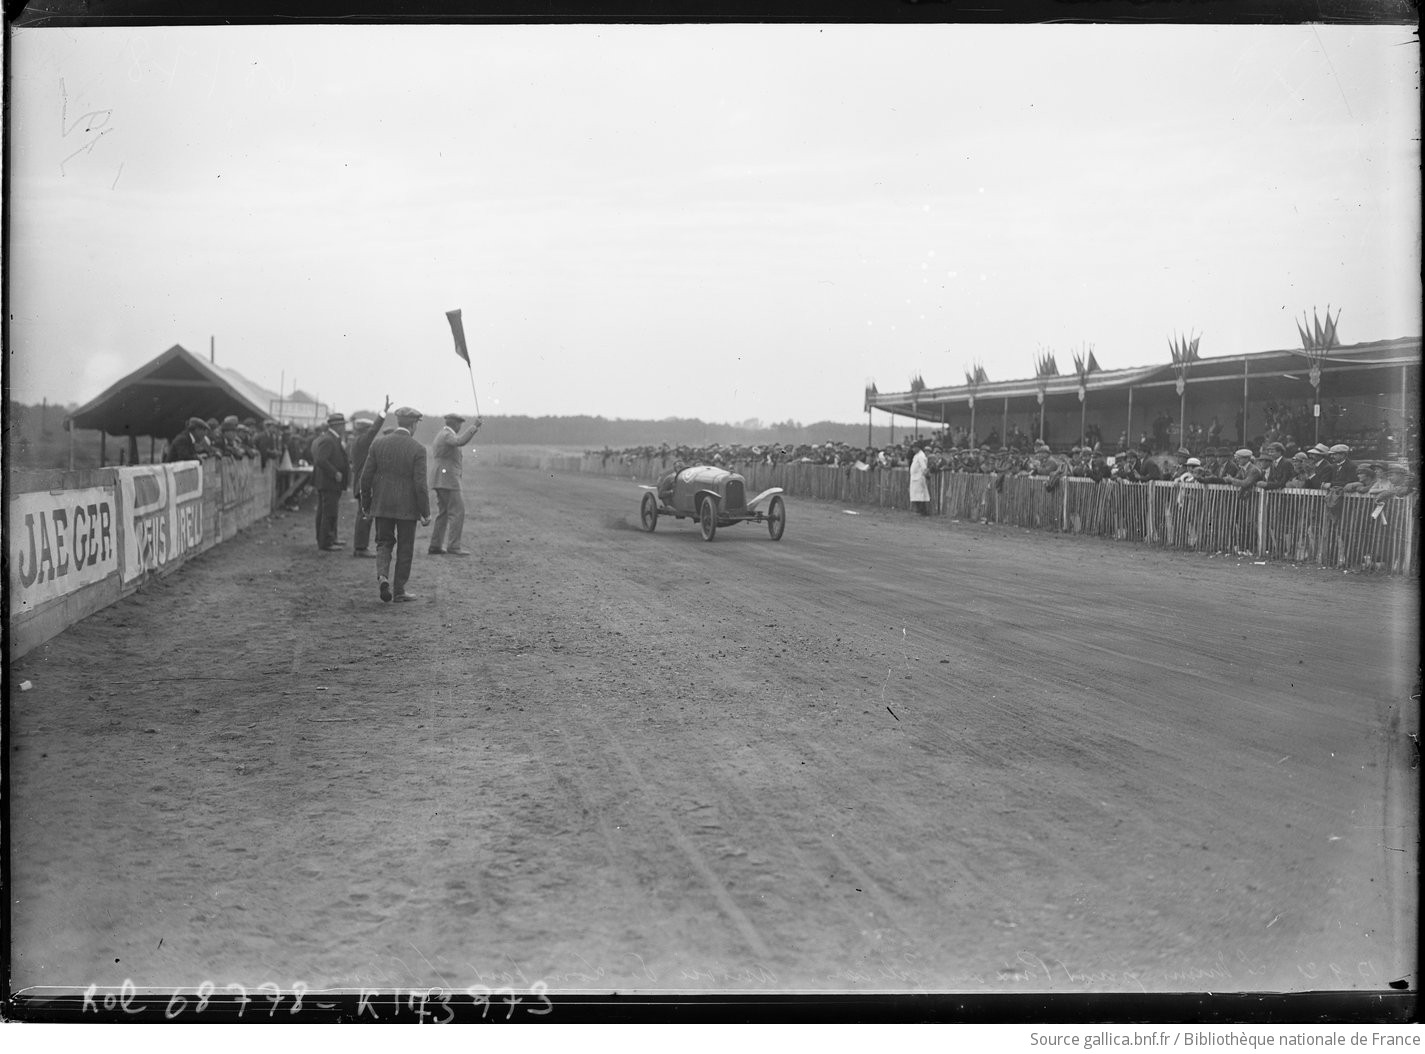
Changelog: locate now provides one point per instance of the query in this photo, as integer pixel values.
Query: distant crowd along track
(1356, 533)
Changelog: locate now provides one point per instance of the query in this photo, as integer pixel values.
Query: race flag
(458, 329)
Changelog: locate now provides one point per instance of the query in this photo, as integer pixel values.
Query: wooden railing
(1351, 532)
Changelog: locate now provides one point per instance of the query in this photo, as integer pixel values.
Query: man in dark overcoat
(393, 492)
(366, 433)
(331, 471)
(1278, 471)
(191, 444)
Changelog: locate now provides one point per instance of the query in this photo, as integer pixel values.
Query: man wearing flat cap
(366, 433)
(394, 493)
(331, 471)
(1338, 468)
(445, 480)
(1242, 472)
(191, 444)
(228, 441)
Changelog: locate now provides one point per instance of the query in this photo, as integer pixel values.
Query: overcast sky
(725, 222)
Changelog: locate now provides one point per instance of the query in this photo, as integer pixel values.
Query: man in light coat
(393, 492)
(919, 483)
(450, 504)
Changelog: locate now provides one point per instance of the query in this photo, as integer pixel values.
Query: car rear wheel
(648, 511)
(776, 517)
(707, 518)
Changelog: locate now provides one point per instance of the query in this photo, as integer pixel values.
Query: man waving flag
(457, 328)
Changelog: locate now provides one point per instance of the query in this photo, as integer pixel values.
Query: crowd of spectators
(1273, 466)
(232, 439)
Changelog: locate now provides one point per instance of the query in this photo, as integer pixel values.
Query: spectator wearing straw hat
(331, 472)
(1315, 473)
(1192, 472)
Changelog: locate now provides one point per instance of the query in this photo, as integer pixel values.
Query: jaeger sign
(60, 542)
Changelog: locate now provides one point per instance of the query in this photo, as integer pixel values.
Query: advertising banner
(245, 495)
(162, 515)
(60, 542)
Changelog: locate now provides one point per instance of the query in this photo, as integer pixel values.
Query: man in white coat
(919, 484)
(450, 505)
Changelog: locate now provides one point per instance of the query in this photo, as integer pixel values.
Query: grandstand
(1359, 385)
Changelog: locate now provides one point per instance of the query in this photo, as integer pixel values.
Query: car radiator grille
(736, 495)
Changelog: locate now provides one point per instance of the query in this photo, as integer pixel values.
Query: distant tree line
(36, 436)
(594, 433)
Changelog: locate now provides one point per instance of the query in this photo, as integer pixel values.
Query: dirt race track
(883, 754)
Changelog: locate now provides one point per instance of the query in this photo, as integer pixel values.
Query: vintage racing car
(715, 498)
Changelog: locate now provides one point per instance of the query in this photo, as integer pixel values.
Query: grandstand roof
(158, 398)
(1359, 369)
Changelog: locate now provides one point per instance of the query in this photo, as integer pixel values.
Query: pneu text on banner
(163, 515)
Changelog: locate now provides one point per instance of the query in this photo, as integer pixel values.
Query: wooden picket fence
(1351, 532)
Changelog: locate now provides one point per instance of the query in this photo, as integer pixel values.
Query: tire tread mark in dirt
(724, 900)
(788, 840)
(883, 900)
(568, 775)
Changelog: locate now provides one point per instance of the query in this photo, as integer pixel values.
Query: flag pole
(457, 330)
(471, 371)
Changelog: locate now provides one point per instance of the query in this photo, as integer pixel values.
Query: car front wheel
(707, 518)
(648, 511)
(776, 517)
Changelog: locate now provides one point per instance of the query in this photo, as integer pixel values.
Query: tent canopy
(158, 398)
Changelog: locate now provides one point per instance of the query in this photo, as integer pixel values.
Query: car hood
(705, 475)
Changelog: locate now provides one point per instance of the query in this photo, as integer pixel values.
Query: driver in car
(665, 484)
